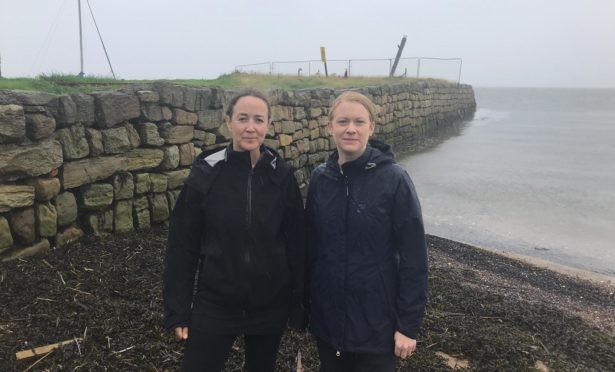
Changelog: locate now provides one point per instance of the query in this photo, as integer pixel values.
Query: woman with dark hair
(367, 250)
(239, 219)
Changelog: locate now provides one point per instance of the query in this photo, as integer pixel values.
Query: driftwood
(43, 349)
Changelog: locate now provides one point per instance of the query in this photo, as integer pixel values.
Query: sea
(531, 174)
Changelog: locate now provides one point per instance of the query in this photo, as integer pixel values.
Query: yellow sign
(322, 54)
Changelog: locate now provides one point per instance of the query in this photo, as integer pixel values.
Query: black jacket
(243, 228)
(367, 253)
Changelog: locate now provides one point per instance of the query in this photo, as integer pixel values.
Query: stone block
(167, 114)
(299, 113)
(15, 196)
(210, 119)
(281, 113)
(176, 134)
(94, 138)
(66, 208)
(148, 96)
(84, 108)
(81, 172)
(141, 159)
(6, 238)
(288, 127)
(273, 143)
(38, 248)
(186, 154)
(12, 124)
(159, 207)
(74, 144)
(46, 219)
(285, 139)
(96, 196)
(66, 114)
(315, 112)
(181, 117)
(123, 186)
(153, 112)
(28, 97)
(39, 126)
(133, 136)
(99, 223)
(115, 107)
(45, 188)
(176, 179)
(158, 182)
(115, 140)
(23, 225)
(141, 213)
(170, 159)
(225, 132)
(148, 132)
(172, 198)
(69, 235)
(123, 216)
(142, 183)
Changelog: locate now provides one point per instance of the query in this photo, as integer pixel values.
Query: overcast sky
(530, 43)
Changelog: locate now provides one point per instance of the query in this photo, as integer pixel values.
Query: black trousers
(206, 352)
(353, 362)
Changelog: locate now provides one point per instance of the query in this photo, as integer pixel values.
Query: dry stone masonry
(113, 162)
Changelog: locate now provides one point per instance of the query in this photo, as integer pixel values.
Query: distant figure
(366, 248)
(240, 220)
(346, 74)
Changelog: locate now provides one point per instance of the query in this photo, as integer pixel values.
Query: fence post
(418, 68)
(348, 68)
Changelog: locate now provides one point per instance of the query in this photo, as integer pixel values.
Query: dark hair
(247, 93)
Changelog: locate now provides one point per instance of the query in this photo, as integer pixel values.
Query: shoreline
(574, 272)
(485, 309)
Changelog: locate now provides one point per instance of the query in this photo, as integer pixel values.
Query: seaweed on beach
(486, 310)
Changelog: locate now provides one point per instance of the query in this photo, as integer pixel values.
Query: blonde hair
(352, 96)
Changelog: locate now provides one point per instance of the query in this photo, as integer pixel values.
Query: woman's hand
(404, 346)
(181, 333)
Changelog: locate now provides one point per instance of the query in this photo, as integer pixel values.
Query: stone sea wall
(112, 162)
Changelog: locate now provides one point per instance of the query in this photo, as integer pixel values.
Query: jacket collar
(376, 154)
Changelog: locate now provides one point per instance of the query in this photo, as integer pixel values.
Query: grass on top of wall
(63, 84)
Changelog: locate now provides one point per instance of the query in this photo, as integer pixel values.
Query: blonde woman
(367, 250)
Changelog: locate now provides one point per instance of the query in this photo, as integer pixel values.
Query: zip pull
(346, 182)
(337, 353)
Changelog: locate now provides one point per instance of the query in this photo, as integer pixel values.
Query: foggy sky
(522, 43)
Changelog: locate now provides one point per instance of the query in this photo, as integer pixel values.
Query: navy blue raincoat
(367, 253)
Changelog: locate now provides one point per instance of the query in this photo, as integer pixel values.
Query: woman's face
(249, 123)
(350, 129)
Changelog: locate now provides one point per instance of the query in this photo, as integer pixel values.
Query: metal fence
(449, 68)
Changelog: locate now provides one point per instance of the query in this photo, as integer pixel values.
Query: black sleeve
(412, 247)
(294, 230)
(182, 258)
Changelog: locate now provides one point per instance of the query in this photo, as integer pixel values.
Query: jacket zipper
(346, 183)
(248, 212)
(249, 199)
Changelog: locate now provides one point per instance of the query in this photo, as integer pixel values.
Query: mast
(80, 39)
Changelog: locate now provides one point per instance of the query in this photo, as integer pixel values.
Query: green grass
(62, 84)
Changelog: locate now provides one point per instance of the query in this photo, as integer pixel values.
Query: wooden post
(323, 58)
(398, 56)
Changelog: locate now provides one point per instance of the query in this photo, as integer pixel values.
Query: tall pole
(80, 39)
